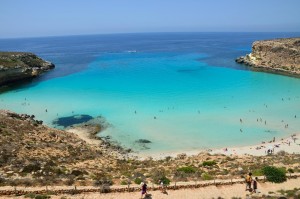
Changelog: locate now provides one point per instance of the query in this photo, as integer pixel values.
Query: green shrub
(290, 170)
(274, 174)
(76, 173)
(2, 181)
(257, 172)
(157, 175)
(206, 176)
(31, 167)
(224, 172)
(30, 195)
(289, 193)
(42, 197)
(36, 196)
(209, 163)
(124, 182)
(165, 180)
(229, 158)
(187, 169)
(138, 181)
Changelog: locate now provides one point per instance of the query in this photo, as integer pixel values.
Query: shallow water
(180, 91)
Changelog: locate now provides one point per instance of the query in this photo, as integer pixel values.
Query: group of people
(144, 188)
(251, 184)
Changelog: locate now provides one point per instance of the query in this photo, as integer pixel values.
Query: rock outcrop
(279, 55)
(15, 66)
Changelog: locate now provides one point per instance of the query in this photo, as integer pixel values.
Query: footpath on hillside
(107, 190)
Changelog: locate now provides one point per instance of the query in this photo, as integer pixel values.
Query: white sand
(287, 144)
(84, 134)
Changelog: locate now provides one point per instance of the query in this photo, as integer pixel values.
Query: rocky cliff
(15, 66)
(278, 55)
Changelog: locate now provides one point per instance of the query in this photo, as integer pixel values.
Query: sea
(159, 92)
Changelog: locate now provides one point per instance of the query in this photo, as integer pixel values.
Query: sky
(35, 18)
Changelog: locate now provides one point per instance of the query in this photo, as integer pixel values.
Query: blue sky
(30, 18)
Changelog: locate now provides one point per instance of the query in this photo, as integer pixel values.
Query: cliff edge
(279, 55)
(15, 66)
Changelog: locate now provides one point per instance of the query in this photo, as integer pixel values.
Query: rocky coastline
(281, 56)
(17, 66)
(89, 132)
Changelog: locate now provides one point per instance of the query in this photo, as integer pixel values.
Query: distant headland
(16, 66)
(280, 56)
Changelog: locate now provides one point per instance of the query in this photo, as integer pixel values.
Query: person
(144, 189)
(161, 186)
(248, 181)
(255, 185)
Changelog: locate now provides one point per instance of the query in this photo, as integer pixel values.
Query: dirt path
(228, 191)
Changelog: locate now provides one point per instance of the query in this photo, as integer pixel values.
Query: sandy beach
(289, 144)
(84, 134)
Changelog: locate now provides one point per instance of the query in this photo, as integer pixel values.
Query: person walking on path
(248, 181)
(162, 187)
(255, 185)
(144, 189)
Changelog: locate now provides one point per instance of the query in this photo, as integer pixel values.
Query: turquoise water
(177, 100)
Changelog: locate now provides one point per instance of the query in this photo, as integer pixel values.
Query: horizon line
(125, 33)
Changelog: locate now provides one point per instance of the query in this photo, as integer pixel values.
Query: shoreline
(85, 133)
(290, 144)
(254, 150)
(88, 132)
(259, 68)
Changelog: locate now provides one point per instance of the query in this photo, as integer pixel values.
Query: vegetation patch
(209, 163)
(290, 193)
(187, 169)
(138, 181)
(274, 174)
(36, 196)
(206, 176)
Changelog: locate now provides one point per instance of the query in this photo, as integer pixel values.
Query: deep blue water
(181, 91)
